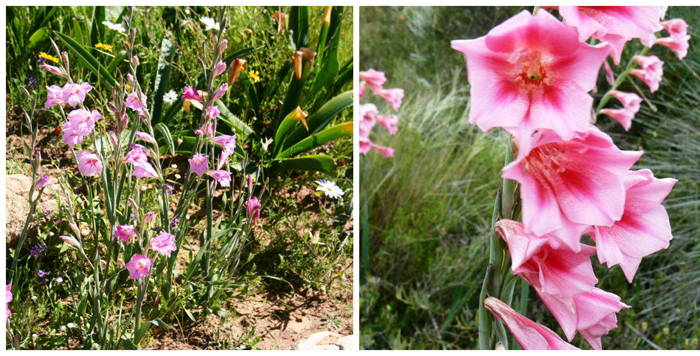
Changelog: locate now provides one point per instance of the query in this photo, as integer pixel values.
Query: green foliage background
(426, 212)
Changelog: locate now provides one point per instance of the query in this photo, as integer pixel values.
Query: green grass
(429, 207)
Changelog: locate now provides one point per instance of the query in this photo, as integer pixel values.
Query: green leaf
(161, 323)
(97, 28)
(232, 120)
(166, 134)
(129, 345)
(39, 36)
(316, 163)
(88, 60)
(141, 333)
(335, 132)
(162, 78)
(320, 119)
(287, 124)
(299, 25)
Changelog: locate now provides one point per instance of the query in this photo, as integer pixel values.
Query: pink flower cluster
(254, 210)
(8, 299)
(370, 116)
(138, 157)
(531, 76)
(71, 94)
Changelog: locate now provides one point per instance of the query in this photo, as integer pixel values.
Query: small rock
(17, 205)
(319, 341)
(347, 342)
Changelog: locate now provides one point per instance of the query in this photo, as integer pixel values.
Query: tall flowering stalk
(129, 156)
(563, 177)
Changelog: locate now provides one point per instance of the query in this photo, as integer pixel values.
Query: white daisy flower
(115, 27)
(70, 325)
(329, 188)
(62, 328)
(170, 97)
(59, 280)
(33, 298)
(209, 23)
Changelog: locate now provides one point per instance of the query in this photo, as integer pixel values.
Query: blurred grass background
(428, 208)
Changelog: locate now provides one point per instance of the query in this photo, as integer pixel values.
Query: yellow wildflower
(104, 46)
(48, 56)
(254, 76)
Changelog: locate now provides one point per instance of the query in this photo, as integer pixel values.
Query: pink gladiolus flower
(206, 130)
(144, 170)
(199, 164)
(531, 73)
(75, 93)
(614, 24)
(219, 93)
(164, 243)
(139, 266)
(70, 240)
(363, 89)
(624, 117)
(149, 217)
(219, 68)
(567, 186)
(213, 112)
(54, 97)
(592, 313)
(630, 103)
(644, 227)
(145, 137)
(651, 72)
(125, 232)
(254, 210)
(8, 299)
(89, 163)
(369, 116)
(676, 27)
(530, 335)
(547, 267)
(373, 78)
(222, 177)
(133, 102)
(228, 143)
(191, 94)
(83, 121)
(53, 70)
(42, 182)
(678, 44)
(137, 154)
(392, 96)
(389, 122)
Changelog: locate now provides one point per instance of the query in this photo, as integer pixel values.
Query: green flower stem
(498, 281)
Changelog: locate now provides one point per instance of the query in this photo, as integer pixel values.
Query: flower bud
(220, 92)
(135, 61)
(250, 182)
(70, 241)
(298, 65)
(222, 46)
(53, 70)
(219, 68)
(237, 66)
(74, 227)
(130, 78)
(64, 56)
(149, 217)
